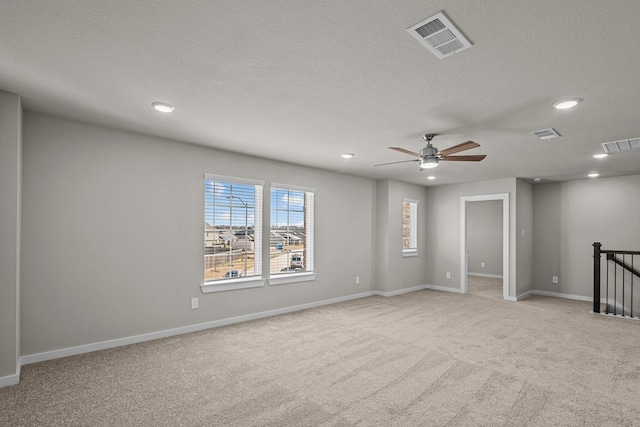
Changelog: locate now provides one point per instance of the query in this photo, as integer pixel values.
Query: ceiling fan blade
(393, 163)
(402, 150)
(471, 158)
(457, 148)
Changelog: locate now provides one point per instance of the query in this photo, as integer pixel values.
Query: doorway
(464, 248)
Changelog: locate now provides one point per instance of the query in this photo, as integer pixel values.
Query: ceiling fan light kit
(428, 163)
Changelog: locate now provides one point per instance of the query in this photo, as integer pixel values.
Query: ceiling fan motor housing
(428, 151)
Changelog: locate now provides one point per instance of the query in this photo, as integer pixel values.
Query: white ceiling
(304, 80)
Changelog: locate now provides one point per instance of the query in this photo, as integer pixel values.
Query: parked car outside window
(234, 273)
(296, 260)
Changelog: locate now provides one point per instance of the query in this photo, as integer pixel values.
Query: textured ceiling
(303, 81)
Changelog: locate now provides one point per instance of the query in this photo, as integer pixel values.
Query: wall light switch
(482, 264)
(194, 303)
(448, 275)
(357, 280)
(554, 279)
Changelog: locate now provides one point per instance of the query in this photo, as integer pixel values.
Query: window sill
(409, 253)
(282, 279)
(232, 284)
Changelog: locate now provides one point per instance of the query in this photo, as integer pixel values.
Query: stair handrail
(611, 256)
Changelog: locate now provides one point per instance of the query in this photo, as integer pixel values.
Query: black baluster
(624, 261)
(596, 276)
(615, 289)
(631, 309)
(607, 298)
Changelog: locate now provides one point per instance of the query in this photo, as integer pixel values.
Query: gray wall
(524, 236)
(569, 216)
(393, 271)
(10, 196)
(484, 237)
(113, 234)
(443, 211)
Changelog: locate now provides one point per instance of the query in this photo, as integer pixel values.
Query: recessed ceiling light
(347, 155)
(163, 107)
(537, 179)
(594, 175)
(431, 177)
(600, 156)
(566, 103)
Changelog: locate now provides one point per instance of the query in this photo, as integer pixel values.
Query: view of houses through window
(288, 231)
(232, 230)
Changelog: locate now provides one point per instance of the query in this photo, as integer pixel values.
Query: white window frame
(412, 250)
(309, 273)
(242, 282)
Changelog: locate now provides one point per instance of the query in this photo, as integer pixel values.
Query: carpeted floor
(425, 358)
(485, 286)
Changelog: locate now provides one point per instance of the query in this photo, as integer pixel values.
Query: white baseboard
(10, 380)
(443, 288)
(71, 351)
(521, 296)
(103, 345)
(495, 276)
(560, 295)
(551, 294)
(400, 291)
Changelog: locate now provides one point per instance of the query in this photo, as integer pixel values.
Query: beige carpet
(485, 286)
(419, 359)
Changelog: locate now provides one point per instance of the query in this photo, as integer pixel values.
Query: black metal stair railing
(619, 284)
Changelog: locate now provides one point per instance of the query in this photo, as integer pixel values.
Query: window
(409, 227)
(291, 232)
(232, 232)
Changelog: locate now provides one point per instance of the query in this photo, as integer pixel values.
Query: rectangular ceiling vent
(439, 35)
(622, 145)
(546, 133)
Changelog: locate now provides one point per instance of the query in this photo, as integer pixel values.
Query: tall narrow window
(232, 229)
(291, 231)
(409, 227)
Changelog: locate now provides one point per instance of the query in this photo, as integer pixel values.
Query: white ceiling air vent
(546, 133)
(622, 145)
(439, 35)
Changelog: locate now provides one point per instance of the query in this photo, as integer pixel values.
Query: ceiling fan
(429, 156)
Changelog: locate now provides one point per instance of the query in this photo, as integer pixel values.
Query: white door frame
(505, 239)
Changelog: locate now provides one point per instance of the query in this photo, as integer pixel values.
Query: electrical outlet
(554, 279)
(482, 264)
(357, 280)
(194, 303)
(448, 275)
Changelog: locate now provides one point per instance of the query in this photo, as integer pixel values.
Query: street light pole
(246, 224)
